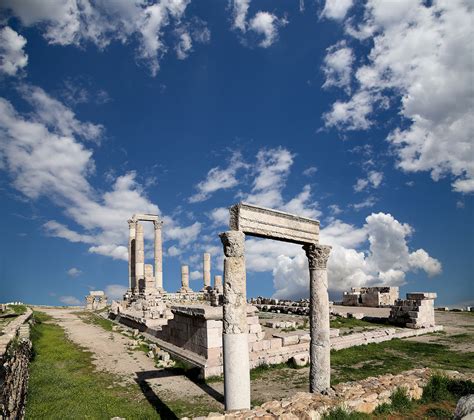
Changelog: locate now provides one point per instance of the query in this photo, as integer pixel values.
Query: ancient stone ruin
(96, 300)
(371, 296)
(416, 311)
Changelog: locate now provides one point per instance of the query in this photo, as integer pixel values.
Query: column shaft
(131, 255)
(158, 256)
(139, 257)
(320, 347)
(206, 268)
(235, 340)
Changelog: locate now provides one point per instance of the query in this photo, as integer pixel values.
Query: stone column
(139, 256)
(131, 254)
(206, 271)
(234, 334)
(185, 279)
(320, 347)
(218, 284)
(158, 256)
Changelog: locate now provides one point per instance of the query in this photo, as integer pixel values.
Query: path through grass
(64, 384)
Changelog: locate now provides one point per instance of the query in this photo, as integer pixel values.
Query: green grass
(339, 413)
(91, 318)
(18, 309)
(64, 384)
(395, 356)
(340, 322)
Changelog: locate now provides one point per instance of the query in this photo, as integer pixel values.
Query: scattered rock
(465, 408)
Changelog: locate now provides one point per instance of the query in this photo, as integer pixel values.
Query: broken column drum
(185, 279)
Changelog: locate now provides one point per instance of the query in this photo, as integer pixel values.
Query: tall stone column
(185, 279)
(139, 257)
(131, 255)
(206, 271)
(158, 256)
(320, 347)
(235, 340)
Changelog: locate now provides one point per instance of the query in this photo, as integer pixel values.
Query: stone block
(422, 295)
(276, 343)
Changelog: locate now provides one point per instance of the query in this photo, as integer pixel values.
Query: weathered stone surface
(206, 268)
(465, 408)
(273, 224)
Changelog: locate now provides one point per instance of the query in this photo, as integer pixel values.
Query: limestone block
(255, 328)
(422, 295)
(276, 343)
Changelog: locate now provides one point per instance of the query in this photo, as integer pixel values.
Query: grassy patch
(340, 322)
(395, 356)
(92, 318)
(64, 384)
(263, 369)
(18, 309)
(339, 413)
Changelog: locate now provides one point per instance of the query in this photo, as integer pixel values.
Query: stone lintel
(145, 217)
(273, 224)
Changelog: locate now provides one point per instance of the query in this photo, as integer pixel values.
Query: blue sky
(359, 115)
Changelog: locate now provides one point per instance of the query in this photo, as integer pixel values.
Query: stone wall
(15, 353)
(416, 311)
(371, 296)
(363, 396)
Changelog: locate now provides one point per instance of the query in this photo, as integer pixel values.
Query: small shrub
(340, 413)
(438, 413)
(384, 408)
(400, 400)
(459, 388)
(436, 389)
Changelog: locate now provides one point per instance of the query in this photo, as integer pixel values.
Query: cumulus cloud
(264, 24)
(195, 275)
(74, 272)
(12, 55)
(387, 261)
(337, 66)
(336, 9)
(77, 22)
(420, 60)
(70, 300)
(219, 216)
(219, 179)
(44, 158)
(115, 291)
(373, 180)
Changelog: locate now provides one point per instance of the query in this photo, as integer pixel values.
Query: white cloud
(74, 272)
(335, 209)
(174, 251)
(373, 180)
(219, 179)
(77, 22)
(337, 66)
(310, 171)
(266, 24)
(336, 9)
(386, 262)
(220, 216)
(115, 291)
(368, 202)
(44, 159)
(419, 60)
(70, 300)
(195, 275)
(12, 56)
(262, 23)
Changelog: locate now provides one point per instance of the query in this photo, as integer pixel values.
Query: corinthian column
(158, 256)
(234, 334)
(139, 257)
(320, 365)
(131, 254)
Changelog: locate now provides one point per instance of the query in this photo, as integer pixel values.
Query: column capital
(131, 223)
(157, 224)
(233, 243)
(317, 255)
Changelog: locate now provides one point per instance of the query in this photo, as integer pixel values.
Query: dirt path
(112, 354)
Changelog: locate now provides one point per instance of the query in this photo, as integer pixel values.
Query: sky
(357, 114)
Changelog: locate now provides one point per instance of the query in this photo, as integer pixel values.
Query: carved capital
(317, 255)
(157, 224)
(233, 243)
(131, 223)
